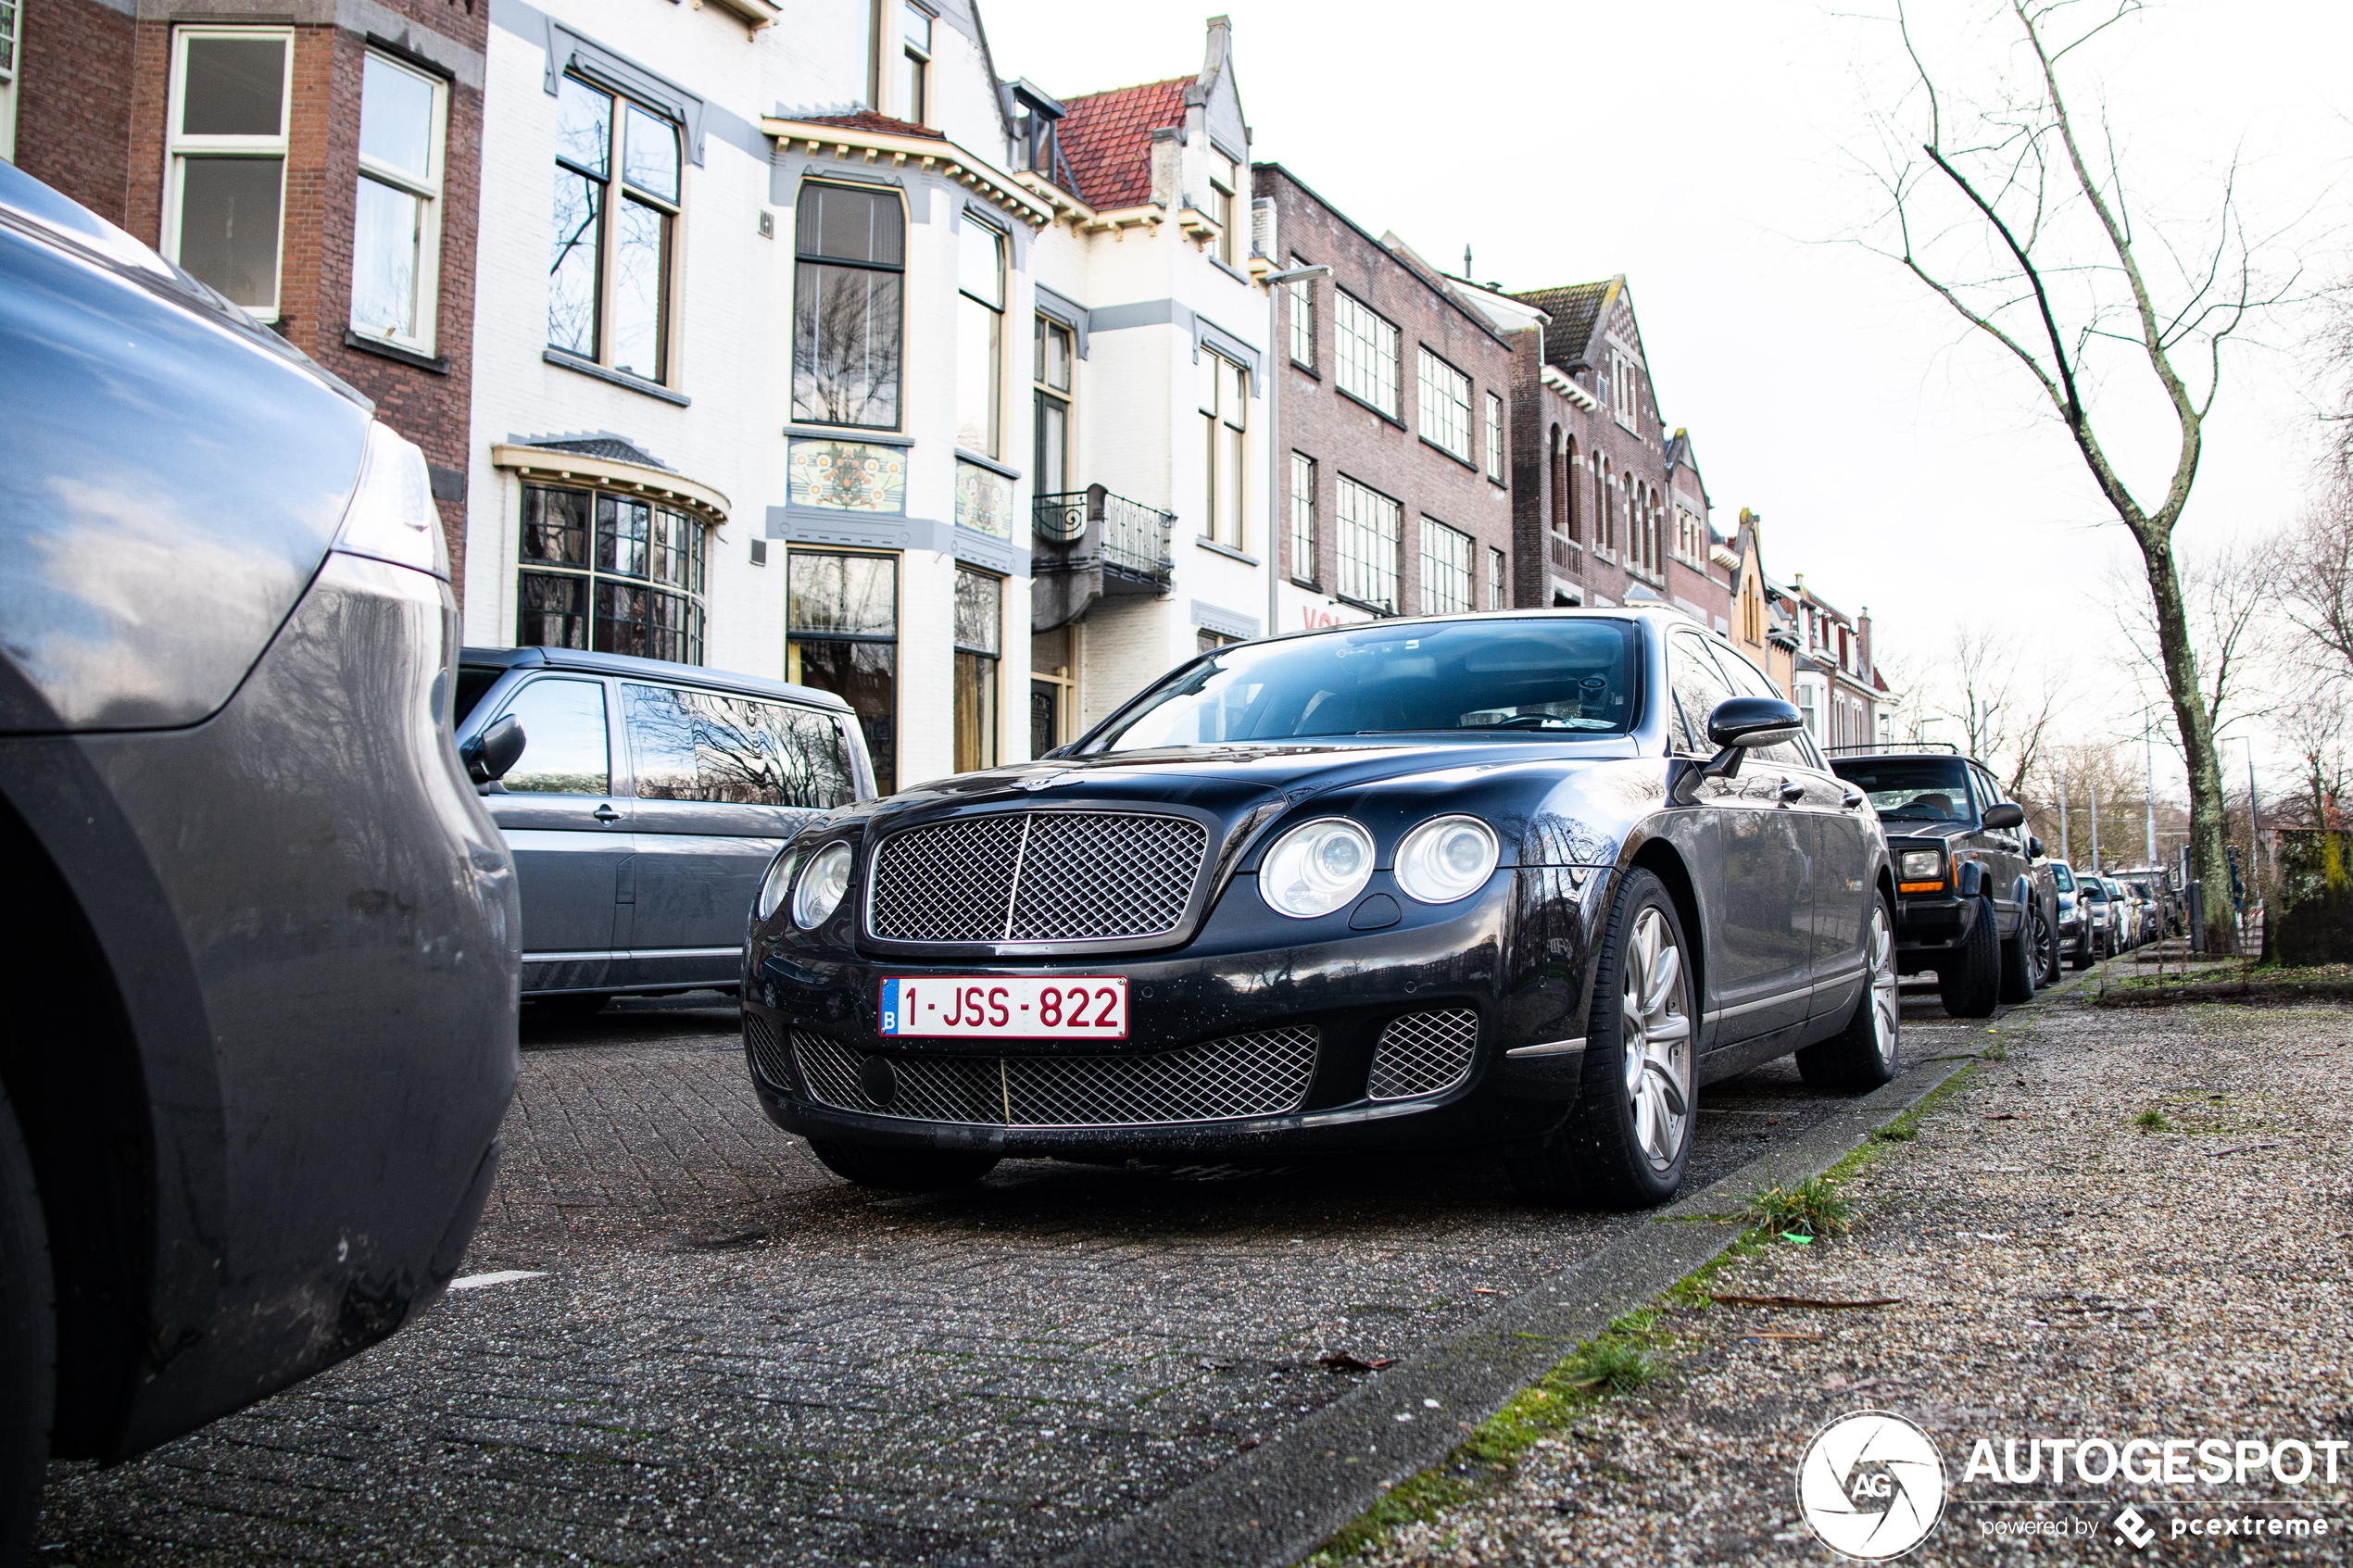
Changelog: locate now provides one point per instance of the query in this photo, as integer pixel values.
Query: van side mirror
(2008, 814)
(2033, 847)
(488, 754)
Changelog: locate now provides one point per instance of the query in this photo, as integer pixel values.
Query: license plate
(1074, 1007)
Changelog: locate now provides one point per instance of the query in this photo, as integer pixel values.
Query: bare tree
(2313, 569)
(2228, 595)
(2024, 227)
(2318, 729)
(2005, 721)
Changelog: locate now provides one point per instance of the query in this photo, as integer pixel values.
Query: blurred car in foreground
(259, 936)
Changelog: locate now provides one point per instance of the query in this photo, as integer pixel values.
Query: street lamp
(1274, 356)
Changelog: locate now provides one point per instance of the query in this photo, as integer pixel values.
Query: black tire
(1870, 1050)
(28, 1344)
(2046, 946)
(2080, 959)
(1969, 985)
(1626, 1145)
(574, 1004)
(2020, 960)
(902, 1170)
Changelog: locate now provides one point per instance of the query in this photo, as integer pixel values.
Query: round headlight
(777, 883)
(1316, 868)
(1446, 859)
(821, 887)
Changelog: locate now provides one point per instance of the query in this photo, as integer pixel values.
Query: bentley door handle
(605, 813)
(1791, 792)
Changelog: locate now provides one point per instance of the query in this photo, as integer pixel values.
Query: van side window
(565, 751)
(703, 746)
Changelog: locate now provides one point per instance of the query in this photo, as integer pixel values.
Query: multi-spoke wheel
(1628, 1140)
(1864, 1054)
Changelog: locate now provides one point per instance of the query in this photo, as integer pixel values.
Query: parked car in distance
(2104, 912)
(2078, 940)
(2154, 885)
(1520, 882)
(259, 935)
(1965, 904)
(2128, 911)
(645, 802)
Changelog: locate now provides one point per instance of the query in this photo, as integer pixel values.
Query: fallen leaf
(1341, 1360)
(2003, 1116)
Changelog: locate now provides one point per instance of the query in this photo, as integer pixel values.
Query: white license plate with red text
(1074, 1007)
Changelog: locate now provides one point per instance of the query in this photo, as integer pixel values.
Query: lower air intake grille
(1423, 1053)
(768, 1059)
(1245, 1076)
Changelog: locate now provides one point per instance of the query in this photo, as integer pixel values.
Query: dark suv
(1969, 903)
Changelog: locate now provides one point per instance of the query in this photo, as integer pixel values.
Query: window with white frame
(1446, 570)
(396, 240)
(1224, 417)
(980, 336)
(225, 150)
(1498, 569)
(1494, 437)
(1051, 470)
(1302, 517)
(915, 66)
(1443, 405)
(9, 26)
(850, 260)
(616, 221)
(1224, 181)
(1367, 352)
(1303, 319)
(1369, 523)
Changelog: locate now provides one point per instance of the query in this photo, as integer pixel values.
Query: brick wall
(73, 81)
(1345, 437)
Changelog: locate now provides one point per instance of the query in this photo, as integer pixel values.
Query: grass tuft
(2153, 1121)
(1816, 1206)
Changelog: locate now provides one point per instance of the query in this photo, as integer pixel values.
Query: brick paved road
(731, 1357)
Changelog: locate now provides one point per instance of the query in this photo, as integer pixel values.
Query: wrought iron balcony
(1092, 545)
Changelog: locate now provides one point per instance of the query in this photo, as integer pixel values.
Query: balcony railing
(1130, 538)
(1565, 555)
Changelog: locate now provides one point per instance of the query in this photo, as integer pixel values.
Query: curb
(1273, 1504)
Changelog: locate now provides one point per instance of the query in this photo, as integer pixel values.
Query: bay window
(225, 191)
(980, 336)
(612, 572)
(841, 636)
(850, 248)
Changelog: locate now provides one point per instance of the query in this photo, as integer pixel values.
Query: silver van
(644, 804)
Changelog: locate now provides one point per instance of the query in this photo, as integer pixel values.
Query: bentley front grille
(1423, 1053)
(1037, 876)
(768, 1060)
(1265, 1074)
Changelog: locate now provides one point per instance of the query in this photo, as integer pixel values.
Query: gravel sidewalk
(2064, 1268)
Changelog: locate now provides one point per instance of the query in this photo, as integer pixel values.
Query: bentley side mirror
(2008, 814)
(1736, 725)
(490, 753)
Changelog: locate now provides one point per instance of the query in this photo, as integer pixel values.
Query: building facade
(1393, 446)
(1834, 683)
(318, 164)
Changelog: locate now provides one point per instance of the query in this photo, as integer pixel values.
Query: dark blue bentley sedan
(1519, 881)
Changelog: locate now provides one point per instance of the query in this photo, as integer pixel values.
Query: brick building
(1392, 442)
(1834, 683)
(320, 169)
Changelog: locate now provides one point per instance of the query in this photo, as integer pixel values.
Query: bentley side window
(1698, 686)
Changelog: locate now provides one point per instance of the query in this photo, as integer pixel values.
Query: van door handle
(605, 813)
(1791, 792)
(1851, 799)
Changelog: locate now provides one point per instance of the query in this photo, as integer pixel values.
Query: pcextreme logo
(1871, 1486)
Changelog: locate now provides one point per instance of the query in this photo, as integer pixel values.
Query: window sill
(616, 378)
(394, 351)
(991, 464)
(1500, 485)
(1385, 418)
(1304, 368)
(1227, 550)
(1307, 583)
(1228, 268)
(847, 433)
(1386, 611)
(1449, 453)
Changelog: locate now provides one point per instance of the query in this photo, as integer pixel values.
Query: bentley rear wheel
(1629, 1140)
(1866, 1053)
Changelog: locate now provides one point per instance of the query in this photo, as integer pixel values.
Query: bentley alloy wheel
(1655, 1030)
(1867, 1052)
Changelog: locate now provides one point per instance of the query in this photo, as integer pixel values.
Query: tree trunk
(2209, 863)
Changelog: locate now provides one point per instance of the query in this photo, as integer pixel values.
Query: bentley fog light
(778, 881)
(1316, 868)
(1446, 859)
(821, 887)
(1923, 865)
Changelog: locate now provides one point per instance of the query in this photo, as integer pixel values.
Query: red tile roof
(1108, 138)
(880, 124)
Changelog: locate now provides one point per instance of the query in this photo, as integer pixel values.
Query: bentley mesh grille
(1037, 876)
(768, 1059)
(1265, 1074)
(1423, 1053)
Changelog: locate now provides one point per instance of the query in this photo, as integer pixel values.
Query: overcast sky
(1706, 150)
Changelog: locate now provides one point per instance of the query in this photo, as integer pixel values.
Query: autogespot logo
(1871, 1486)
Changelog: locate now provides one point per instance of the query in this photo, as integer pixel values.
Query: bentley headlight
(1923, 865)
(1316, 868)
(777, 883)
(820, 887)
(1446, 859)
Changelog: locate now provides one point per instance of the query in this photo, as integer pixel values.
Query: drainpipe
(1277, 358)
